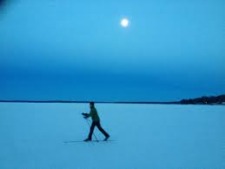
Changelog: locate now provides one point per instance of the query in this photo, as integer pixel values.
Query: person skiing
(95, 122)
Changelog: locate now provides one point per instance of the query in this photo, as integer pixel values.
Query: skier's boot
(87, 139)
(106, 138)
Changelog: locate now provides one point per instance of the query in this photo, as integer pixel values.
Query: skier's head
(92, 104)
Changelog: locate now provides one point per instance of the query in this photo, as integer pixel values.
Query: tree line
(205, 100)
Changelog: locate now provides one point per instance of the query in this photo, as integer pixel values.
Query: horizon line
(73, 101)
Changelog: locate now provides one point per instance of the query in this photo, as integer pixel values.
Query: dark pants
(97, 123)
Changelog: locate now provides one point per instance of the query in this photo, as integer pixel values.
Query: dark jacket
(94, 115)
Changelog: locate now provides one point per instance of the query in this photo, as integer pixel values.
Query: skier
(95, 122)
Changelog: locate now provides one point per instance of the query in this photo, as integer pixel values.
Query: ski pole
(93, 131)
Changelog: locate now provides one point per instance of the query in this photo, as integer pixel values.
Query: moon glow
(124, 22)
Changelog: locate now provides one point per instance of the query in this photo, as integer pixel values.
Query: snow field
(32, 136)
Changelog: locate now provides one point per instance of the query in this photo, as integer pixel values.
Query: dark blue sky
(77, 50)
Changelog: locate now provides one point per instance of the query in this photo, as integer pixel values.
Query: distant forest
(205, 100)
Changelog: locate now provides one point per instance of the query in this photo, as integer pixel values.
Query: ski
(93, 141)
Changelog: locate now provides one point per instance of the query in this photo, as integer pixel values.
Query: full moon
(124, 22)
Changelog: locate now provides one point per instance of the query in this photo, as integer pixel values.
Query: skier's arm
(86, 115)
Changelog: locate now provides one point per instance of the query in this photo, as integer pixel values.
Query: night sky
(78, 50)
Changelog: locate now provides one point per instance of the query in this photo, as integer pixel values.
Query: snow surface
(32, 136)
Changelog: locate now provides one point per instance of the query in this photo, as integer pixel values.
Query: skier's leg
(102, 130)
(91, 131)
